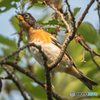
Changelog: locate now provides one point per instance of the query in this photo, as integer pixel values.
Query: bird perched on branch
(51, 47)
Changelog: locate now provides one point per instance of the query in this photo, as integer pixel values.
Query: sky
(6, 29)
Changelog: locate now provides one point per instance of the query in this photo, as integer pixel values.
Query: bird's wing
(55, 42)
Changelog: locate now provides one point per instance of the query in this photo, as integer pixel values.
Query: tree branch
(18, 45)
(19, 85)
(68, 39)
(23, 71)
(84, 14)
(47, 75)
(27, 73)
(18, 50)
(61, 15)
(85, 45)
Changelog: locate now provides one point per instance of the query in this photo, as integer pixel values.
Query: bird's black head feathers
(31, 20)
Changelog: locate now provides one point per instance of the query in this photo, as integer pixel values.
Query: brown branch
(65, 44)
(48, 84)
(47, 75)
(16, 82)
(19, 85)
(77, 25)
(94, 60)
(84, 14)
(18, 45)
(56, 96)
(23, 71)
(73, 19)
(61, 15)
(98, 7)
(27, 73)
(86, 47)
(4, 77)
(45, 64)
(68, 39)
(29, 94)
(18, 50)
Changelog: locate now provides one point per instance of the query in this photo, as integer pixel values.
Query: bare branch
(73, 19)
(47, 75)
(18, 50)
(84, 14)
(23, 71)
(61, 15)
(45, 64)
(68, 39)
(31, 76)
(94, 61)
(18, 45)
(86, 47)
(18, 83)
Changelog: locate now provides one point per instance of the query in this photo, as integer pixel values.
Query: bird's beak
(19, 17)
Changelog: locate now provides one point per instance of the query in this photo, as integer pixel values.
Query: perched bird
(51, 47)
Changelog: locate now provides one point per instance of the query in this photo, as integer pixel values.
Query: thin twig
(18, 83)
(84, 14)
(73, 19)
(56, 96)
(18, 50)
(61, 15)
(98, 7)
(31, 76)
(23, 71)
(86, 46)
(18, 45)
(88, 49)
(94, 60)
(68, 39)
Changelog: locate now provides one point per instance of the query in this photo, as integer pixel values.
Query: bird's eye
(26, 15)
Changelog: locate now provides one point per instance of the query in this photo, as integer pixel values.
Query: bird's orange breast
(39, 36)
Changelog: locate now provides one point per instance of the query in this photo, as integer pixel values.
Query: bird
(51, 47)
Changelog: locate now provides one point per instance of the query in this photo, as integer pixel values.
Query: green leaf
(37, 91)
(24, 38)
(39, 5)
(92, 72)
(51, 22)
(25, 79)
(76, 10)
(8, 42)
(7, 4)
(88, 32)
(51, 29)
(11, 46)
(15, 23)
(41, 74)
(1, 70)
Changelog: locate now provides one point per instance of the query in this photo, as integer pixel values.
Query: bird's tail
(78, 74)
(87, 81)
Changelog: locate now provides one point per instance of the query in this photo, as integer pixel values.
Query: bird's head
(29, 20)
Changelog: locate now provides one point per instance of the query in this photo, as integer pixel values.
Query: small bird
(51, 47)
